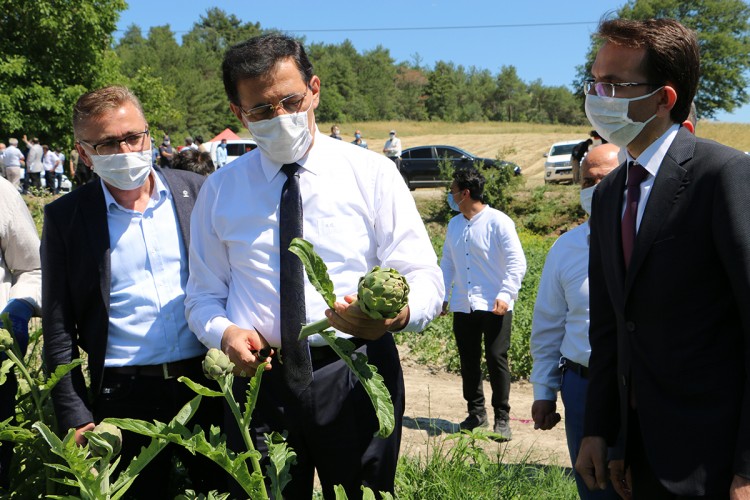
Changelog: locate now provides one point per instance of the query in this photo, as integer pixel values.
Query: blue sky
(543, 39)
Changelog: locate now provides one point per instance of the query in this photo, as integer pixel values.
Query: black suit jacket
(76, 285)
(675, 328)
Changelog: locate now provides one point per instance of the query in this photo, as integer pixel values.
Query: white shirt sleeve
(515, 262)
(548, 331)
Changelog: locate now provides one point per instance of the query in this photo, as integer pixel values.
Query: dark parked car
(420, 166)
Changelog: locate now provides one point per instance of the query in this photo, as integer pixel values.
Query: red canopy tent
(226, 134)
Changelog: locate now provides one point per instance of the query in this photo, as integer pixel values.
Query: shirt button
(630, 326)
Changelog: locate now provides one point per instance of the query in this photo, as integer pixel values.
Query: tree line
(51, 51)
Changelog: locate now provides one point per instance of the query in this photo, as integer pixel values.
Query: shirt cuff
(505, 297)
(544, 392)
(215, 331)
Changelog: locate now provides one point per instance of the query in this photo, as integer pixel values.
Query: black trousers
(469, 330)
(334, 434)
(154, 398)
(49, 180)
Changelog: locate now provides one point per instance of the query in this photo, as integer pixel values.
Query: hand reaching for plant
(247, 349)
(349, 318)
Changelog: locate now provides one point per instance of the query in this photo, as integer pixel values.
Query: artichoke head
(112, 434)
(6, 340)
(382, 293)
(216, 364)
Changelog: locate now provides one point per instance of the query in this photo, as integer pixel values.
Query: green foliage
(51, 51)
(723, 29)
(448, 473)
(547, 209)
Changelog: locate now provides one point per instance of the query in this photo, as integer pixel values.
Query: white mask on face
(124, 171)
(609, 117)
(284, 138)
(587, 194)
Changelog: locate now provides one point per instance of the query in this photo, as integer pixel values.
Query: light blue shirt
(147, 324)
(221, 155)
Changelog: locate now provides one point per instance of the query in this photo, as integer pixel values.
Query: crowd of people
(151, 265)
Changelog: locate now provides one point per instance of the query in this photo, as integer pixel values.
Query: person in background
(560, 330)
(189, 144)
(358, 140)
(59, 169)
(670, 227)
(483, 265)
(193, 160)
(392, 149)
(580, 150)
(221, 154)
(166, 152)
(34, 166)
(247, 290)
(201, 146)
(50, 162)
(115, 265)
(2, 163)
(335, 132)
(13, 159)
(20, 292)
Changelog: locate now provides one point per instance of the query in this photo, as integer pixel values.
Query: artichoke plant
(216, 364)
(382, 293)
(6, 340)
(110, 433)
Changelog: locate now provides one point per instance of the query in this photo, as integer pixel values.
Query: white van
(235, 148)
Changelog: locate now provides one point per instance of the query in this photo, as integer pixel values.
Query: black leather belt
(580, 370)
(164, 370)
(325, 353)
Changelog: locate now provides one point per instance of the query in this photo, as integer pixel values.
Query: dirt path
(435, 406)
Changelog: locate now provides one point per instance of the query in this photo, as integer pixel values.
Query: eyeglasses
(112, 146)
(290, 104)
(605, 89)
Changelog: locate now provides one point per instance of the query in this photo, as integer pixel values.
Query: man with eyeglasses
(669, 279)
(247, 292)
(115, 265)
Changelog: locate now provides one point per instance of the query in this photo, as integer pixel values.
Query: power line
(429, 28)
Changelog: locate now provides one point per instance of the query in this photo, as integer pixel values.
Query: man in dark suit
(114, 262)
(669, 277)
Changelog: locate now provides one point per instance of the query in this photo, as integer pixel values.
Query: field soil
(435, 406)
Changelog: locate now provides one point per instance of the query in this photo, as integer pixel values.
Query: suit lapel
(184, 198)
(94, 214)
(611, 208)
(668, 185)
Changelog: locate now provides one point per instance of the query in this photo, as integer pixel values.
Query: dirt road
(435, 406)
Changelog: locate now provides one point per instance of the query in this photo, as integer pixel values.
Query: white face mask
(609, 117)
(284, 138)
(125, 171)
(587, 194)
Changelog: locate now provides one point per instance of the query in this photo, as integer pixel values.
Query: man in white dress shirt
(560, 331)
(357, 214)
(483, 265)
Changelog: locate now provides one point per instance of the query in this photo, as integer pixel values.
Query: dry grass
(521, 143)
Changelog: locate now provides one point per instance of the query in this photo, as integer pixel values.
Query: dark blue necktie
(295, 354)
(636, 175)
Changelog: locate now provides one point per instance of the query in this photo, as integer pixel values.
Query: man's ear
(315, 87)
(236, 111)
(667, 100)
(84, 156)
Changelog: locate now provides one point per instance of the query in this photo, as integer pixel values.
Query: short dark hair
(97, 102)
(257, 56)
(194, 161)
(472, 179)
(672, 54)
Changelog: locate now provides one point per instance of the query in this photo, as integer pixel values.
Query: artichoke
(216, 364)
(382, 293)
(6, 340)
(111, 434)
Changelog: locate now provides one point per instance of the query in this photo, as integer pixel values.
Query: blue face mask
(452, 203)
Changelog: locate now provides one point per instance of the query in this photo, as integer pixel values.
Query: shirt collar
(654, 154)
(271, 169)
(160, 189)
